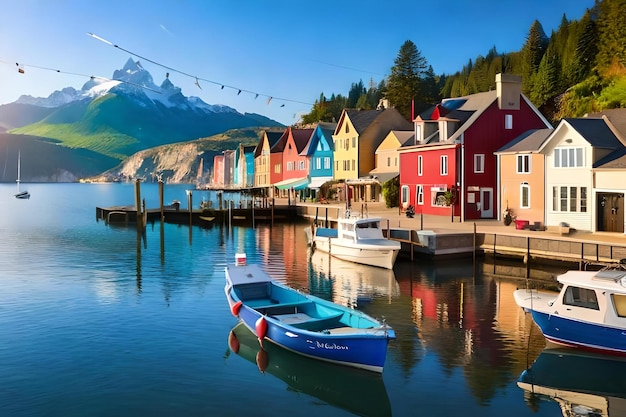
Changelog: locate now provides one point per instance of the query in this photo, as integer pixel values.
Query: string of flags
(21, 68)
(197, 78)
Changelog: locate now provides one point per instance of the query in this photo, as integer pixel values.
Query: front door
(486, 203)
(610, 212)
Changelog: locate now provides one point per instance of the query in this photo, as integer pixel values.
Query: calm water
(96, 321)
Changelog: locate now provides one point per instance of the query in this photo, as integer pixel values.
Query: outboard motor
(410, 212)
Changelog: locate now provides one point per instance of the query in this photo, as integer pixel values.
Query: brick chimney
(509, 90)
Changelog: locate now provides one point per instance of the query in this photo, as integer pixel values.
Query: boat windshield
(581, 297)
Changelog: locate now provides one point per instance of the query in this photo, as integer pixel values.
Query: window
(569, 199)
(479, 163)
(395, 161)
(619, 301)
(327, 162)
(418, 133)
(347, 128)
(443, 165)
(420, 165)
(301, 166)
(354, 142)
(388, 161)
(353, 165)
(438, 196)
(568, 157)
(581, 297)
(523, 164)
(405, 195)
(524, 195)
(420, 194)
(508, 121)
(318, 163)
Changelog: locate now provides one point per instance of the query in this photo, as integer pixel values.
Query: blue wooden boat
(303, 323)
(357, 391)
(588, 313)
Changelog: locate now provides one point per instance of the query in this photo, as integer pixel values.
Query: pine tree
(404, 83)
(532, 52)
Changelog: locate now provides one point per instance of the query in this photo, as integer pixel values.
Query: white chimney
(509, 90)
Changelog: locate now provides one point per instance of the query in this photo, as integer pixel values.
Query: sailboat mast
(19, 158)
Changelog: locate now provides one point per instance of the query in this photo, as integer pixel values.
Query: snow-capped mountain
(118, 117)
(131, 80)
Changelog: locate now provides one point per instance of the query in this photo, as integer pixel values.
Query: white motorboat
(356, 239)
(588, 313)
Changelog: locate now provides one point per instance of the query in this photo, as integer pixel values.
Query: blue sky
(286, 49)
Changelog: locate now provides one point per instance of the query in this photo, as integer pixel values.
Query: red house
(450, 169)
(290, 169)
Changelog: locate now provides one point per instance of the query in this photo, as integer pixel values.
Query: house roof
(361, 119)
(617, 117)
(300, 137)
(272, 138)
(327, 130)
(529, 141)
(614, 160)
(595, 131)
(404, 136)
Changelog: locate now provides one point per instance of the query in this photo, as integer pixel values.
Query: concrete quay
(446, 236)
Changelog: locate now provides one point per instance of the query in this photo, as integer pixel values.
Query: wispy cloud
(166, 30)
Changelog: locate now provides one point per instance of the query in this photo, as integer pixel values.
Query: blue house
(319, 152)
(244, 166)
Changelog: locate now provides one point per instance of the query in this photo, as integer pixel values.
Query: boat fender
(233, 342)
(235, 308)
(261, 329)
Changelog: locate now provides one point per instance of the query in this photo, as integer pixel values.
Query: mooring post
(138, 204)
(161, 198)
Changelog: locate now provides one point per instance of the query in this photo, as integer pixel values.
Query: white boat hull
(381, 255)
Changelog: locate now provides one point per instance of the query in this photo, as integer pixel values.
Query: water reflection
(352, 284)
(582, 384)
(360, 392)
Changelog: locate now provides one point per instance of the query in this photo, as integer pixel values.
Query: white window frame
(327, 162)
(420, 165)
(443, 165)
(563, 196)
(522, 163)
(405, 195)
(419, 194)
(479, 163)
(524, 189)
(508, 121)
(570, 157)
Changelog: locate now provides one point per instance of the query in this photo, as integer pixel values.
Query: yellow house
(358, 135)
(262, 157)
(521, 176)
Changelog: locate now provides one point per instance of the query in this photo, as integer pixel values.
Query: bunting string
(21, 68)
(197, 78)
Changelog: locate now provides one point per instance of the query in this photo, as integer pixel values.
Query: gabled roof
(301, 138)
(326, 130)
(360, 119)
(616, 117)
(529, 141)
(272, 138)
(404, 136)
(595, 131)
(465, 110)
(614, 160)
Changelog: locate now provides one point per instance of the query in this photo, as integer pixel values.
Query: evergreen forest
(578, 69)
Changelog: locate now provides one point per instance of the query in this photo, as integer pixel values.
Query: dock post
(161, 198)
(138, 204)
(189, 205)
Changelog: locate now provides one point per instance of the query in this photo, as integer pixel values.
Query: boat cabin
(596, 297)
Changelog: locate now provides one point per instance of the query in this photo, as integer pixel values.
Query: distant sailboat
(20, 194)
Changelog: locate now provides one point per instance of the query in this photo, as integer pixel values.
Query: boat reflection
(360, 392)
(583, 384)
(354, 284)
